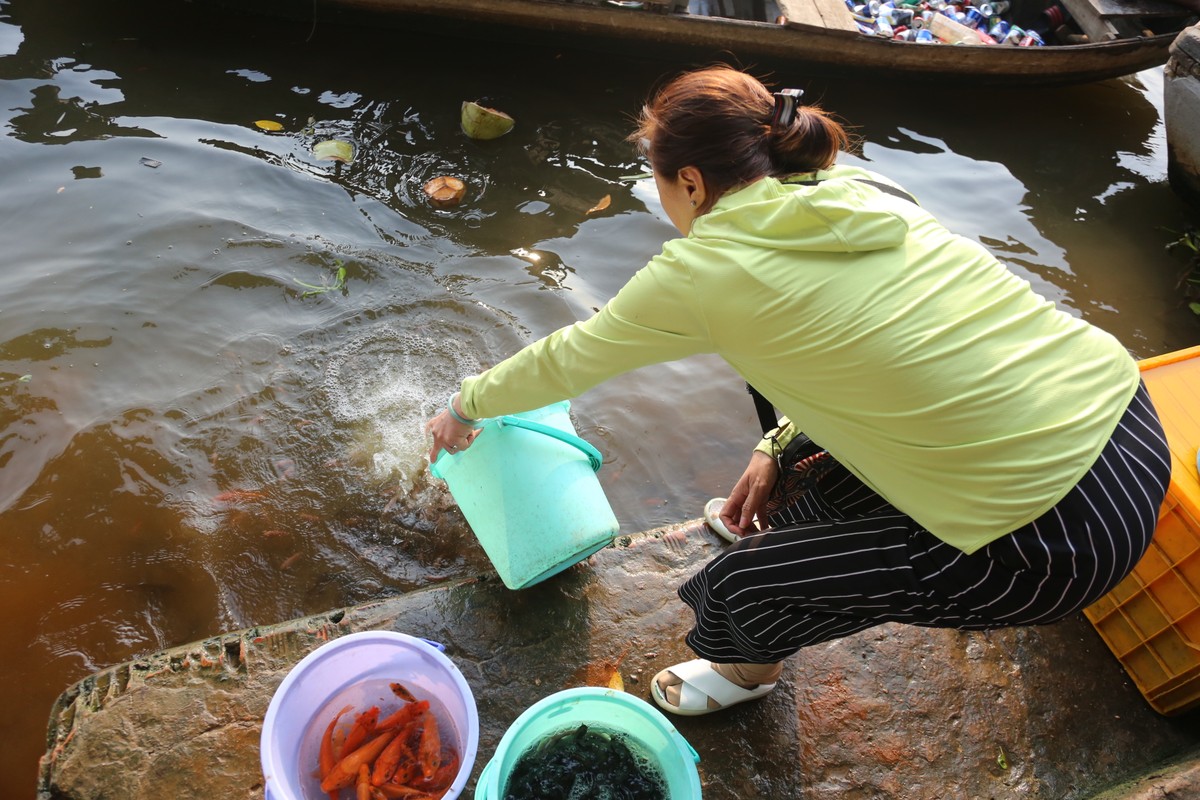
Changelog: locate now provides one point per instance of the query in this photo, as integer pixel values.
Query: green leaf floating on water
(334, 150)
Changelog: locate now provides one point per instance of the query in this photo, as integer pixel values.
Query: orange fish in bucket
(364, 726)
(362, 787)
(345, 771)
(429, 751)
(401, 755)
(403, 715)
(395, 764)
(401, 691)
(328, 756)
(444, 776)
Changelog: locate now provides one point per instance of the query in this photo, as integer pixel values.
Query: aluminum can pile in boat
(902, 19)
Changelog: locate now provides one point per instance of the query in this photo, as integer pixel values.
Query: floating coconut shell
(480, 122)
(445, 191)
(334, 150)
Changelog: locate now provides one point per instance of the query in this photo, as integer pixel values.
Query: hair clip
(786, 101)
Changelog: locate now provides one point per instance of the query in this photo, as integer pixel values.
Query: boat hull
(820, 50)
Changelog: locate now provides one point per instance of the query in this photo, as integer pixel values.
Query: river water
(193, 439)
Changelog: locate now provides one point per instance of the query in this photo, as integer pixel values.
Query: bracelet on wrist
(459, 417)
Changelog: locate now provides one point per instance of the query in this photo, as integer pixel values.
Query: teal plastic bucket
(607, 710)
(527, 486)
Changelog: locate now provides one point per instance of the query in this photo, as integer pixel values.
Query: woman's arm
(655, 317)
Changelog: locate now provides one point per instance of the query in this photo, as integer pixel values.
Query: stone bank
(894, 712)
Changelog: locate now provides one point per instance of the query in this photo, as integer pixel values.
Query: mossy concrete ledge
(1178, 779)
(893, 712)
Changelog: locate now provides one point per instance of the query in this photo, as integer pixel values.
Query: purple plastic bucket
(357, 670)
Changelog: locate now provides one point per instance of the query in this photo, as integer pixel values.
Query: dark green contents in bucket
(584, 764)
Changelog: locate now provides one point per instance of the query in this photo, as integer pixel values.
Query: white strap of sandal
(701, 681)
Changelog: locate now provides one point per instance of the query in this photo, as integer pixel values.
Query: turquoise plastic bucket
(527, 486)
(608, 710)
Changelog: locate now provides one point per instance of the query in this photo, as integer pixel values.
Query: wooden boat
(1123, 36)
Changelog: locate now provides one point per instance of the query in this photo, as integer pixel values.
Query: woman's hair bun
(812, 141)
(713, 119)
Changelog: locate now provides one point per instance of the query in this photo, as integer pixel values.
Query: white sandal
(712, 516)
(699, 683)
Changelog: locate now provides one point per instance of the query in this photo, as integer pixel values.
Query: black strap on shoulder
(766, 412)
(887, 188)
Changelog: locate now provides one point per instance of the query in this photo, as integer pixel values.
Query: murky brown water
(190, 444)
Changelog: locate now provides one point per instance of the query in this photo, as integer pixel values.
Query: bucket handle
(593, 455)
(482, 784)
(688, 745)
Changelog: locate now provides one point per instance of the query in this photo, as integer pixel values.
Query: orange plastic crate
(1151, 620)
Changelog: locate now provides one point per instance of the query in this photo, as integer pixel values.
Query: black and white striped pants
(849, 560)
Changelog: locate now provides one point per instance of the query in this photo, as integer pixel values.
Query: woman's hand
(750, 494)
(449, 434)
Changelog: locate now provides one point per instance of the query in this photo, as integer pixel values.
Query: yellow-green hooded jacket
(921, 363)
